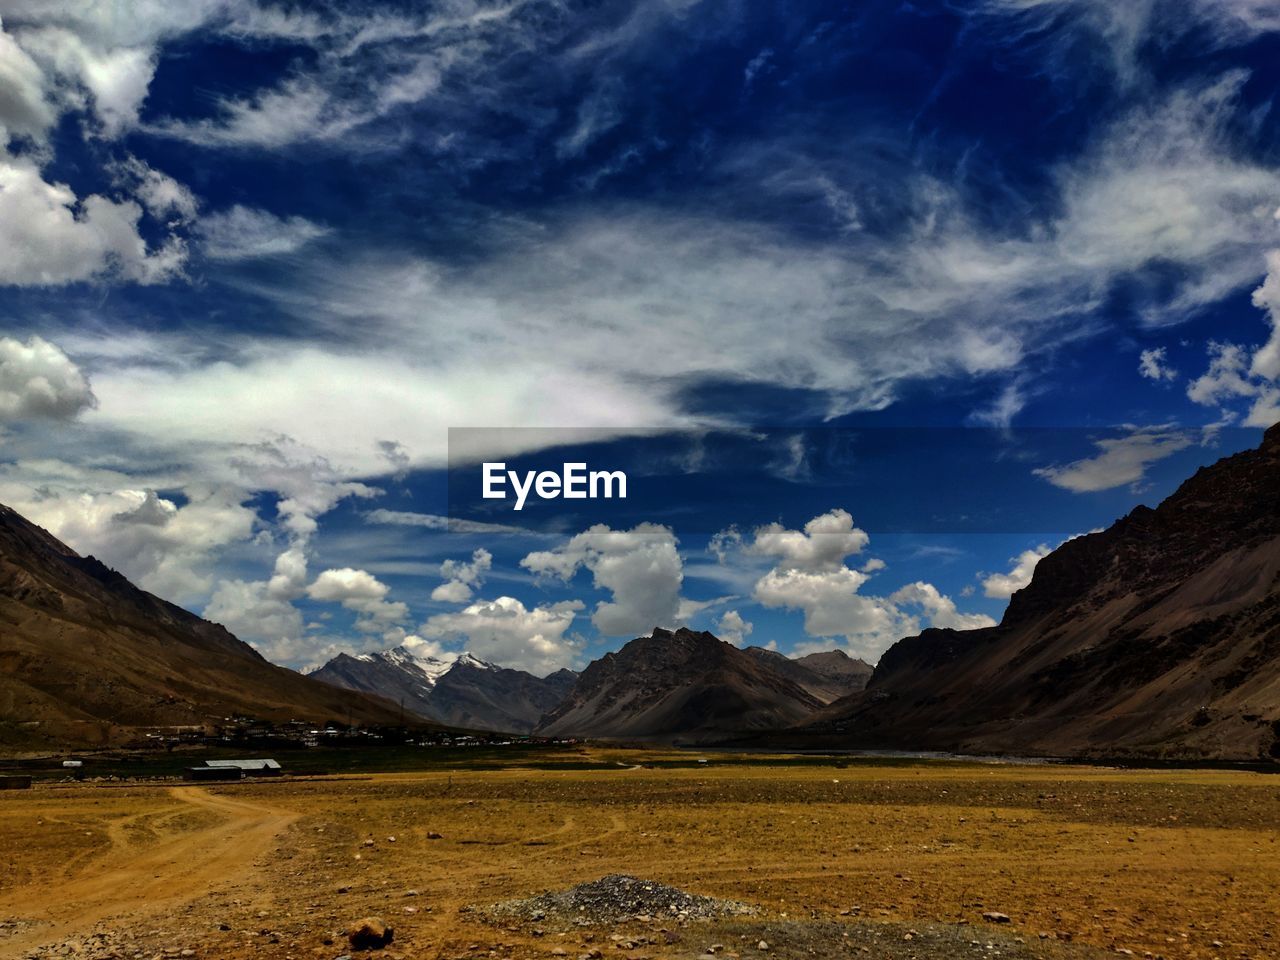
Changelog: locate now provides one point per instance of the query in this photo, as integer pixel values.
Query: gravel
(617, 898)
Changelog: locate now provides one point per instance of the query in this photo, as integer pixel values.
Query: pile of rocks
(617, 898)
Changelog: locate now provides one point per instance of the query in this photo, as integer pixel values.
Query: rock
(762, 945)
(432, 835)
(371, 933)
(991, 916)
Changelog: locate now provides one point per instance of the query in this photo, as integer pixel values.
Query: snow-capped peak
(471, 660)
(429, 668)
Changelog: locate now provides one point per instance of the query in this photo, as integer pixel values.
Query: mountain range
(463, 692)
(691, 686)
(86, 657)
(1159, 636)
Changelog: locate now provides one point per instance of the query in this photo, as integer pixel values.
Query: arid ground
(858, 858)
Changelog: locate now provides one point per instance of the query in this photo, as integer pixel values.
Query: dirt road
(131, 882)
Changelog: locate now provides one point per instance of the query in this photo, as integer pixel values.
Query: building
(15, 783)
(250, 768)
(213, 773)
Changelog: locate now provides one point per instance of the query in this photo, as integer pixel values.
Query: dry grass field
(849, 858)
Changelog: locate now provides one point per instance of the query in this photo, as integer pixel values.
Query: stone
(992, 916)
(371, 933)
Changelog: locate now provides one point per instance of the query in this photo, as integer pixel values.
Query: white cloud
(115, 80)
(365, 595)
(48, 236)
(1266, 360)
(462, 578)
(243, 233)
(1152, 365)
(38, 380)
(25, 110)
(732, 628)
(939, 609)
(823, 544)
(163, 197)
(641, 568)
(168, 549)
(1001, 586)
(1235, 375)
(533, 338)
(1121, 460)
(346, 584)
(1003, 409)
(1126, 27)
(811, 576)
(435, 521)
(504, 631)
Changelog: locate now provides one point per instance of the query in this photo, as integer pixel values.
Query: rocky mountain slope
(86, 657)
(683, 686)
(465, 692)
(828, 676)
(1157, 637)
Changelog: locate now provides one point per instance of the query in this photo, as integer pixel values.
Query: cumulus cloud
(1002, 586)
(1237, 375)
(48, 236)
(366, 595)
(1153, 365)
(504, 631)
(1120, 461)
(262, 612)
(168, 549)
(38, 380)
(462, 577)
(732, 628)
(810, 575)
(243, 233)
(823, 544)
(641, 568)
(938, 609)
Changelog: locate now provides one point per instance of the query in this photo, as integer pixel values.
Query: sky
(876, 304)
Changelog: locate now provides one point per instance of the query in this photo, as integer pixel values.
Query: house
(15, 783)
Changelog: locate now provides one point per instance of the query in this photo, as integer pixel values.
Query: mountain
(466, 692)
(1157, 637)
(86, 657)
(678, 686)
(828, 676)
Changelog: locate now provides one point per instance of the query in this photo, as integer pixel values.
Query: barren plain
(839, 857)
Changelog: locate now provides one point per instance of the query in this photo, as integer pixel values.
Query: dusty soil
(856, 859)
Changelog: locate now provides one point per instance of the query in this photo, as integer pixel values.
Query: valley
(901, 857)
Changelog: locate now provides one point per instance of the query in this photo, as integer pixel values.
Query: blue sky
(257, 259)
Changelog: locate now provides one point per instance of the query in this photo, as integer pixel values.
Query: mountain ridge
(1157, 637)
(681, 685)
(87, 657)
(465, 691)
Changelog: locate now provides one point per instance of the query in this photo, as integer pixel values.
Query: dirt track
(127, 882)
